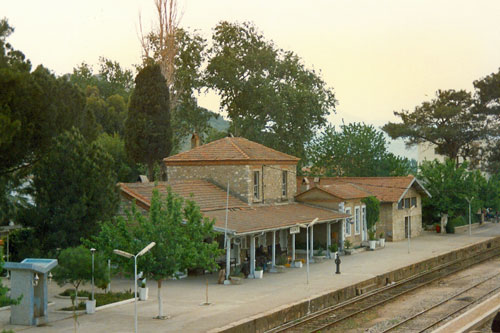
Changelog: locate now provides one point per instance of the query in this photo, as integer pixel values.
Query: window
(407, 203)
(357, 221)
(284, 183)
(256, 183)
(347, 223)
(414, 202)
(262, 241)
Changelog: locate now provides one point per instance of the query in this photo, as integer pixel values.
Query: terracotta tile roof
(230, 151)
(344, 191)
(242, 218)
(386, 189)
(271, 217)
(207, 195)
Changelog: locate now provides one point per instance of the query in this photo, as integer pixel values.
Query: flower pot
(298, 264)
(143, 294)
(90, 306)
(438, 229)
(382, 242)
(373, 243)
(259, 274)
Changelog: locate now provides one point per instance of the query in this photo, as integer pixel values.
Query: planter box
(297, 264)
(348, 252)
(373, 244)
(259, 274)
(90, 307)
(143, 294)
(382, 242)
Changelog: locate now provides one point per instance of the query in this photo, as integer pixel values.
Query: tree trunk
(160, 304)
(206, 293)
(151, 171)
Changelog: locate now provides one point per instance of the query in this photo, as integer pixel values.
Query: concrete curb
(102, 307)
(4, 308)
(474, 318)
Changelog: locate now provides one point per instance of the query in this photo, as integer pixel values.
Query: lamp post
(470, 224)
(130, 255)
(92, 250)
(306, 226)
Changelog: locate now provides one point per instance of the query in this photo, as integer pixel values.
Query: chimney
(195, 140)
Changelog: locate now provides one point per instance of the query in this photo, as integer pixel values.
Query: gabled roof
(242, 218)
(230, 151)
(344, 191)
(207, 195)
(386, 189)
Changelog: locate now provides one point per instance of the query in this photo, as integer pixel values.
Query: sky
(378, 56)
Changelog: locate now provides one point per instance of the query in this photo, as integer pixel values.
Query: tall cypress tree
(148, 134)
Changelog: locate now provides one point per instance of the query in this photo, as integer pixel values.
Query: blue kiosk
(29, 279)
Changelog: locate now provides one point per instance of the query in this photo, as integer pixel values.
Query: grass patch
(103, 299)
(70, 292)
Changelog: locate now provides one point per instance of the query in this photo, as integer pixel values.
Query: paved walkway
(231, 303)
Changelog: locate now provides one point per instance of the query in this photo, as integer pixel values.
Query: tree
(125, 169)
(74, 188)
(184, 239)
(75, 267)
(356, 150)
(180, 54)
(35, 106)
(449, 185)
(449, 121)
(372, 211)
(267, 92)
(148, 134)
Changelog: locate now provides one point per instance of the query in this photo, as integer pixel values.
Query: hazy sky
(378, 56)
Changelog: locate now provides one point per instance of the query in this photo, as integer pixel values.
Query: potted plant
(381, 239)
(259, 272)
(373, 241)
(347, 247)
(143, 291)
(334, 248)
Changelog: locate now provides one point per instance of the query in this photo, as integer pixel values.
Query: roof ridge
(239, 149)
(196, 148)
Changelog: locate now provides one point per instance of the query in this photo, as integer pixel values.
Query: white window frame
(347, 224)
(244, 243)
(357, 220)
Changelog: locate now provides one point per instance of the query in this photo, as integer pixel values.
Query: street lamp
(92, 250)
(307, 243)
(130, 255)
(409, 226)
(470, 224)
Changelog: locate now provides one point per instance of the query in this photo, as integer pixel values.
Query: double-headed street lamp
(306, 226)
(130, 255)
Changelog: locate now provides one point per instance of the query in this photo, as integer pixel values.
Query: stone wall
(385, 222)
(240, 179)
(354, 238)
(398, 218)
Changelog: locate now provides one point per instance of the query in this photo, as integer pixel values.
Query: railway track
(330, 317)
(448, 307)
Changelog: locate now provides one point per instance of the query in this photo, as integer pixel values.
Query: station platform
(253, 298)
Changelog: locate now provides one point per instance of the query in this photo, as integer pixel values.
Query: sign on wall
(294, 229)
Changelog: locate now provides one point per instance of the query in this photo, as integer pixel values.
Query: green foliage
(75, 267)
(148, 133)
(371, 234)
(347, 244)
(449, 121)
(4, 300)
(449, 185)
(356, 150)
(333, 248)
(35, 106)
(187, 78)
(267, 92)
(74, 187)
(372, 211)
(125, 169)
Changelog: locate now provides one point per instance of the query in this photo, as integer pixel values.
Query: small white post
(312, 244)
(293, 248)
(228, 260)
